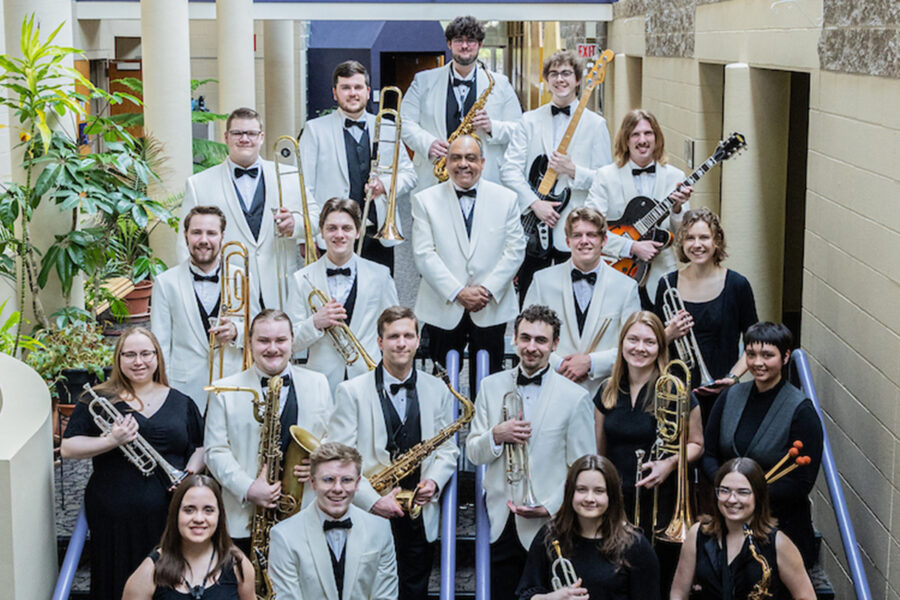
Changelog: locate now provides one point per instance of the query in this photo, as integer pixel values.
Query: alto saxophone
(465, 127)
(389, 477)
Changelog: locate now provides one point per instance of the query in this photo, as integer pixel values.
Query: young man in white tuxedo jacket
(555, 428)
(593, 301)
(468, 245)
(439, 99)
(358, 291)
(539, 134)
(231, 439)
(245, 188)
(332, 550)
(337, 149)
(383, 414)
(186, 303)
(640, 170)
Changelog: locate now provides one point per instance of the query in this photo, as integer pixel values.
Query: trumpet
(389, 230)
(567, 576)
(139, 452)
(347, 344)
(518, 471)
(672, 408)
(285, 146)
(235, 301)
(686, 345)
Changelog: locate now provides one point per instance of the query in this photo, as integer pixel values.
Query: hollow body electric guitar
(542, 178)
(642, 216)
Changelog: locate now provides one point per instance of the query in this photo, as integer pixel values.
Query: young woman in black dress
(126, 511)
(625, 423)
(723, 555)
(196, 557)
(761, 419)
(611, 559)
(718, 301)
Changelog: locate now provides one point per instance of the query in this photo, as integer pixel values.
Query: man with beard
(186, 302)
(553, 427)
(439, 99)
(336, 150)
(231, 440)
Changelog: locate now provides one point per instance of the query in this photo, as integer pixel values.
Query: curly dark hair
(539, 312)
(467, 26)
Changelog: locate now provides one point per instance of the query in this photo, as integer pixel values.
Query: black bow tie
(348, 123)
(650, 169)
(342, 271)
(466, 82)
(240, 172)
(213, 278)
(523, 379)
(409, 384)
(591, 277)
(285, 381)
(555, 110)
(345, 524)
(470, 192)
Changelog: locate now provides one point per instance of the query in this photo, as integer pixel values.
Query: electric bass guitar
(542, 178)
(642, 216)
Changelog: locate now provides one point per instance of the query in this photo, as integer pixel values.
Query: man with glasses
(535, 139)
(244, 187)
(439, 99)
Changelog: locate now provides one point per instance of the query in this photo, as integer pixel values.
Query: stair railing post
(450, 500)
(482, 522)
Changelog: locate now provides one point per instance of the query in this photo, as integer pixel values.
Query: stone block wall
(861, 36)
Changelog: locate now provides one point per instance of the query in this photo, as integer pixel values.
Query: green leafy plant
(76, 345)
(9, 332)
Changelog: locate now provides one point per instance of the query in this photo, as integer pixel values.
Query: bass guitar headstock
(597, 73)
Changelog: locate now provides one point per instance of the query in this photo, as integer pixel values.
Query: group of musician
(579, 486)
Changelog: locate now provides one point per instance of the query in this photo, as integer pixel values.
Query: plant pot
(70, 388)
(138, 300)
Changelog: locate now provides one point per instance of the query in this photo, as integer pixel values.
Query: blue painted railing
(801, 369)
(482, 522)
(450, 500)
(73, 555)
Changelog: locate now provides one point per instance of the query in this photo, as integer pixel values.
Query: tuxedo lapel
(379, 429)
(660, 183)
(189, 301)
(480, 216)
(318, 548)
(363, 283)
(569, 313)
(546, 125)
(627, 181)
(353, 550)
(340, 149)
(544, 400)
(267, 226)
(452, 209)
(439, 99)
(595, 309)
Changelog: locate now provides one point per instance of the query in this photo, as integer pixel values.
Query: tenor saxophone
(465, 127)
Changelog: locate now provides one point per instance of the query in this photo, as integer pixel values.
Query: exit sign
(587, 51)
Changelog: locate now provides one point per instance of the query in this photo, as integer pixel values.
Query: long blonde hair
(118, 386)
(620, 367)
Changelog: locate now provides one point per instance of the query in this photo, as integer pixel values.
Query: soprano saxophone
(465, 127)
(760, 590)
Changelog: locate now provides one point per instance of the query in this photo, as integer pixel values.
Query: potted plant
(9, 334)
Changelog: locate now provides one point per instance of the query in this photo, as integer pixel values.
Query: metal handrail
(800, 364)
(482, 522)
(450, 500)
(73, 556)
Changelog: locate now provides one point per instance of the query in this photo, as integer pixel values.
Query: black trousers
(507, 562)
(374, 251)
(415, 556)
(531, 265)
(441, 341)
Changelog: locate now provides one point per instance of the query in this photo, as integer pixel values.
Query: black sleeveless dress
(225, 588)
(716, 579)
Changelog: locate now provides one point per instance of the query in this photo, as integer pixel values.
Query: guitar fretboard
(662, 209)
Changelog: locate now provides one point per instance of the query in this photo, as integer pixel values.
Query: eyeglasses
(459, 41)
(563, 74)
(237, 133)
(144, 354)
(724, 493)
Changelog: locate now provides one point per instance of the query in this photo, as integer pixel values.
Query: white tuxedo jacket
(375, 291)
(300, 563)
(613, 188)
(176, 323)
(231, 438)
(615, 297)
(424, 114)
(214, 187)
(589, 150)
(358, 422)
(325, 162)
(448, 259)
(562, 430)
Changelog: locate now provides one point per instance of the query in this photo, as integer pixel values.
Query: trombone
(686, 345)
(285, 146)
(518, 471)
(235, 298)
(347, 344)
(389, 230)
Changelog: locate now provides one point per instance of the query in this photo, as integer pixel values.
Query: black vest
(350, 302)
(337, 566)
(580, 315)
(454, 114)
(401, 436)
(204, 316)
(358, 157)
(254, 214)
